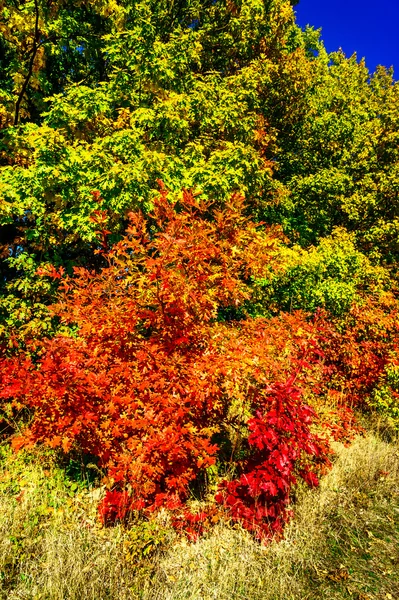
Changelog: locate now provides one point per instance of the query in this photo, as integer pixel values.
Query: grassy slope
(342, 544)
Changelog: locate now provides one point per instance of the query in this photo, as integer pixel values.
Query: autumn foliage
(146, 377)
(193, 344)
(281, 438)
(149, 375)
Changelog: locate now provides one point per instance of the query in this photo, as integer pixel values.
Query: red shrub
(281, 438)
(358, 348)
(145, 375)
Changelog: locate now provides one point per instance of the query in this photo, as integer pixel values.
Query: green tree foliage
(332, 276)
(340, 163)
(44, 47)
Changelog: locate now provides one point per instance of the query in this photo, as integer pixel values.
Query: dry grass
(51, 544)
(342, 544)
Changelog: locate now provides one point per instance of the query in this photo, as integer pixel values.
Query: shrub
(361, 346)
(385, 396)
(144, 375)
(332, 276)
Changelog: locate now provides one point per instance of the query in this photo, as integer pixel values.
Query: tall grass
(342, 544)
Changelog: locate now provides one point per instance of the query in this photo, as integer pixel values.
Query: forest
(199, 305)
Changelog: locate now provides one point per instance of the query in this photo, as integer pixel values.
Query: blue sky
(368, 27)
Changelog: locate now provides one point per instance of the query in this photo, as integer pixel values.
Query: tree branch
(31, 64)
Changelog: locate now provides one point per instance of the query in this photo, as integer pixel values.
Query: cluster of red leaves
(115, 506)
(281, 438)
(145, 375)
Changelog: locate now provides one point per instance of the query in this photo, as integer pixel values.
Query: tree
(46, 46)
(178, 101)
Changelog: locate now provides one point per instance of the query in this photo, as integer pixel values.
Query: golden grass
(342, 544)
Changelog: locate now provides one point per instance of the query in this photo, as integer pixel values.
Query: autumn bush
(362, 346)
(160, 372)
(145, 377)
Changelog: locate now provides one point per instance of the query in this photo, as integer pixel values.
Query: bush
(145, 376)
(330, 276)
(385, 396)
